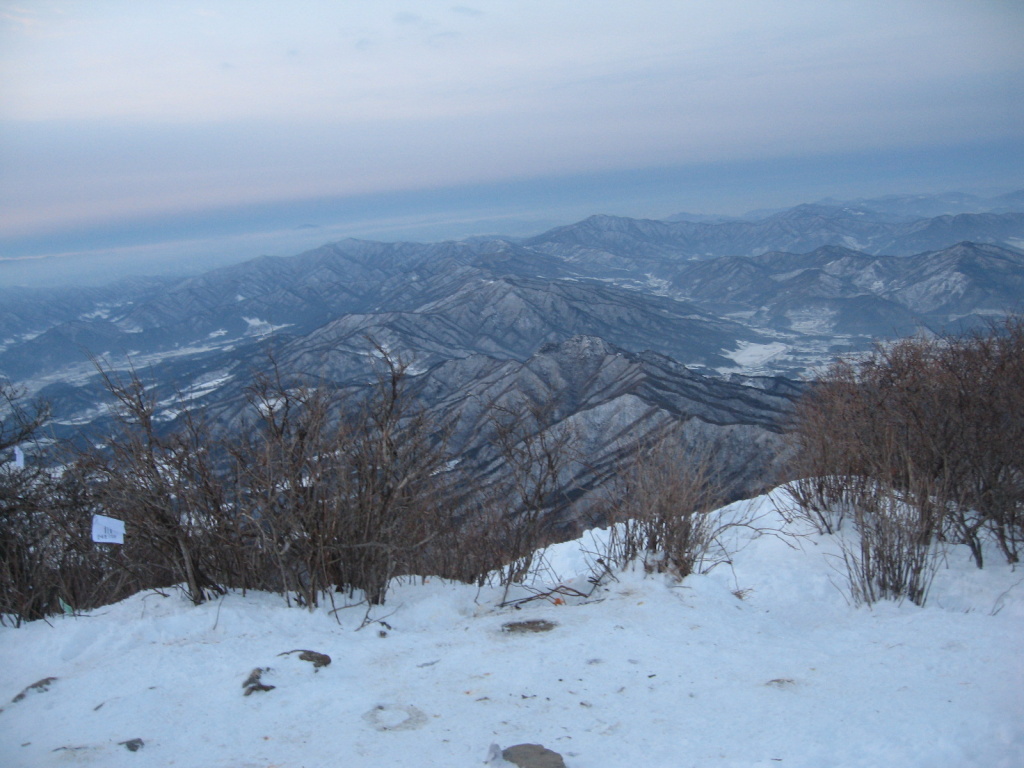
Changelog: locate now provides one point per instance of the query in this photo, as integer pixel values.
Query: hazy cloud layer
(112, 109)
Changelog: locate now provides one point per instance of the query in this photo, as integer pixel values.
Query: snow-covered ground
(763, 663)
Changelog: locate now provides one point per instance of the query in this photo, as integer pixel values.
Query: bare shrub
(20, 419)
(163, 487)
(831, 457)
(895, 553)
(343, 492)
(929, 425)
(323, 491)
(293, 482)
(472, 548)
(48, 563)
(894, 556)
(535, 452)
(87, 574)
(661, 509)
(400, 500)
(29, 545)
(985, 377)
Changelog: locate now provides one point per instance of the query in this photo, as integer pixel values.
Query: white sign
(107, 530)
(19, 458)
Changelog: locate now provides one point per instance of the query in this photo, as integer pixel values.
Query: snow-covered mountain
(852, 292)
(661, 313)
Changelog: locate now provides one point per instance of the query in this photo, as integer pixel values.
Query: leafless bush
(984, 373)
(829, 461)
(471, 547)
(343, 492)
(28, 547)
(87, 574)
(166, 489)
(323, 491)
(661, 509)
(896, 550)
(48, 563)
(892, 558)
(20, 419)
(400, 499)
(923, 434)
(294, 486)
(535, 453)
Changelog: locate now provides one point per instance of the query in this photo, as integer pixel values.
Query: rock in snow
(532, 756)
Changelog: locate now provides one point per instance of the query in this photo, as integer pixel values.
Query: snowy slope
(760, 664)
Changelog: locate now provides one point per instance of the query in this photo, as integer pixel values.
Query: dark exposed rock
(532, 756)
(40, 686)
(253, 681)
(529, 625)
(316, 659)
(132, 745)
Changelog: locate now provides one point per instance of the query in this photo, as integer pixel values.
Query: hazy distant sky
(127, 120)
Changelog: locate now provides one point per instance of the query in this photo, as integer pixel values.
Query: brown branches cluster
(318, 492)
(663, 506)
(321, 491)
(918, 443)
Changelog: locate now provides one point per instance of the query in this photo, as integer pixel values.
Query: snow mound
(759, 663)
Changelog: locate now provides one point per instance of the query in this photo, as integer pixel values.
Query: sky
(196, 130)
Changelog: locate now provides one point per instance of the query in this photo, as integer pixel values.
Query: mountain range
(623, 327)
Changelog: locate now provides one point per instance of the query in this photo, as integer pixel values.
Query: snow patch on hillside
(257, 327)
(811, 321)
(749, 355)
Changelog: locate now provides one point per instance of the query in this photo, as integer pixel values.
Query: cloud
(110, 107)
(411, 19)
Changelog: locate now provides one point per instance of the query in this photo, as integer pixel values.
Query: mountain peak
(579, 346)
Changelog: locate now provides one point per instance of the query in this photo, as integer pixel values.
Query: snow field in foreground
(760, 664)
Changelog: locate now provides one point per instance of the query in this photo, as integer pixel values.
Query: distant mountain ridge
(909, 292)
(798, 230)
(637, 283)
(894, 207)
